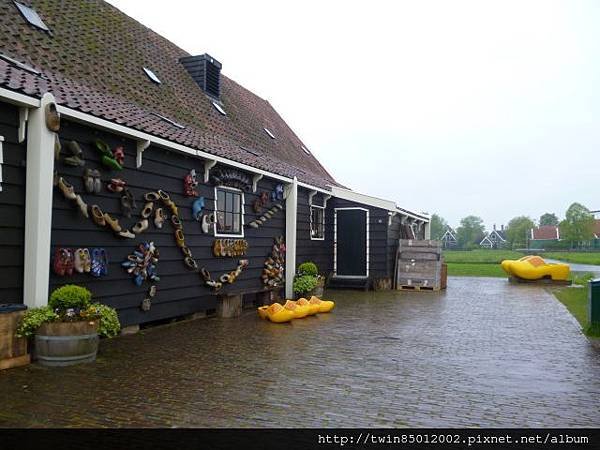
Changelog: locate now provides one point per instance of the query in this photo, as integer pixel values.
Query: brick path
(483, 354)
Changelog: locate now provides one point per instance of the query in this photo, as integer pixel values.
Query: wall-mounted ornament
(69, 192)
(228, 277)
(92, 181)
(83, 260)
(127, 203)
(141, 264)
(274, 271)
(63, 263)
(208, 220)
(75, 153)
(197, 207)
(147, 302)
(230, 247)
(159, 218)
(190, 182)
(119, 155)
(266, 216)
(107, 157)
(277, 193)
(232, 178)
(116, 185)
(261, 202)
(99, 262)
(52, 117)
(57, 147)
(166, 199)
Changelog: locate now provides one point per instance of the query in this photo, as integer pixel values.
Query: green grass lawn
(574, 257)
(576, 302)
(481, 256)
(475, 270)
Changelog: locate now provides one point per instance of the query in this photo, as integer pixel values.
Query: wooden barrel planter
(66, 343)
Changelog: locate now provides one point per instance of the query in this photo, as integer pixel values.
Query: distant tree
(438, 227)
(548, 219)
(578, 225)
(470, 231)
(518, 231)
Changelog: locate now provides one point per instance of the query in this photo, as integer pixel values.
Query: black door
(351, 242)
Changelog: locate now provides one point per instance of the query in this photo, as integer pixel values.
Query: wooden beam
(141, 146)
(208, 164)
(255, 179)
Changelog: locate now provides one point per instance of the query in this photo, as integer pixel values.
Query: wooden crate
(419, 265)
(13, 350)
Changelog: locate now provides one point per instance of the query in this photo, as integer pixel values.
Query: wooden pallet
(544, 281)
(412, 287)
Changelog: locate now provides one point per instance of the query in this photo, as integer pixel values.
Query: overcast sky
(461, 107)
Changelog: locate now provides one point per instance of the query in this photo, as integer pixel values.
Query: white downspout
(291, 217)
(38, 205)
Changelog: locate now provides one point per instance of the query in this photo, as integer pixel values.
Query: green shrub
(304, 284)
(308, 268)
(109, 321)
(33, 318)
(70, 296)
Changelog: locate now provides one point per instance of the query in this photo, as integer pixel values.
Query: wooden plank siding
(318, 251)
(12, 207)
(180, 290)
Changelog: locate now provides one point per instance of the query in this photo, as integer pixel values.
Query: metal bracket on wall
(141, 146)
(208, 164)
(255, 179)
(23, 117)
(1, 160)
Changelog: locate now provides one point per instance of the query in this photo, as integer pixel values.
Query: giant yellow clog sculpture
(324, 305)
(279, 314)
(535, 268)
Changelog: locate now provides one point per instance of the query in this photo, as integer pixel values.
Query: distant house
(494, 239)
(543, 235)
(449, 238)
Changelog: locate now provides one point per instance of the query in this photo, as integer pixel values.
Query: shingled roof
(93, 62)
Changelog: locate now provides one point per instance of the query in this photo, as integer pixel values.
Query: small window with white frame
(229, 212)
(317, 223)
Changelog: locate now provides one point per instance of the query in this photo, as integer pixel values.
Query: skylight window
(31, 16)
(271, 135)
(305, 150)
(152, 76)
(172, 122)
(219, 108)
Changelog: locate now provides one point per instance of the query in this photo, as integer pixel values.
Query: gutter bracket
(141, 146)
(326, 199)
(391, 216)
(311, 194)
(208, 164)
(23, 118)
(255, 179)
(1, 160)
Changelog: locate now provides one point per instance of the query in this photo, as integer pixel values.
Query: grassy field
(574, 257)
(480, 256)
(576, 301)
(478, 263)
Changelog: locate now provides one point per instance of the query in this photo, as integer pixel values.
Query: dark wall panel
(12, 207)
(179, 291)
(318, 251)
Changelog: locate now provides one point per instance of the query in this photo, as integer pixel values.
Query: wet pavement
(485, 353)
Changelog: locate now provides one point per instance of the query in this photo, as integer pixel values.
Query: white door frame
(335, 210)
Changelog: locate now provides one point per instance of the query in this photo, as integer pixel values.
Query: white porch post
(291, 216)
(427, 230)
(38, 205)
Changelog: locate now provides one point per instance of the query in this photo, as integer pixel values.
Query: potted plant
(66, 331)
(308, 282)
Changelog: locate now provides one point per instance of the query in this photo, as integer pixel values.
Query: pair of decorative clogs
(113, 159)
(80, 260)
(295, 309)
(92, 181)
(75, 157)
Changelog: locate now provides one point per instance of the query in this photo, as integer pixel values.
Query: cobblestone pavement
(485, 353)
